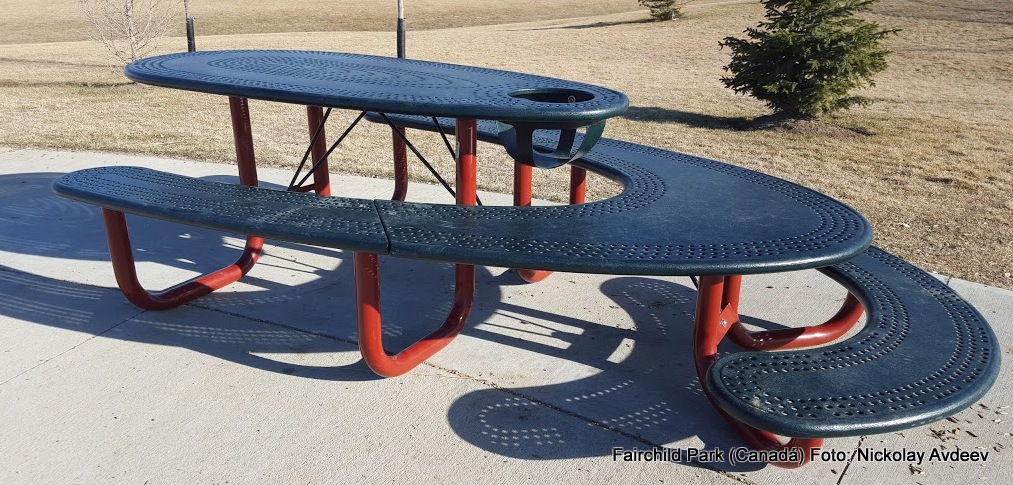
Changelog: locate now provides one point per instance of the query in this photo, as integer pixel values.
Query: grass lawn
(929, 163)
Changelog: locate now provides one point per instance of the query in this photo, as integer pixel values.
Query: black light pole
(400, 29)
(191, 43)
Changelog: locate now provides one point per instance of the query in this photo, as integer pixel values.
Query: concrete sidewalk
(262, 382)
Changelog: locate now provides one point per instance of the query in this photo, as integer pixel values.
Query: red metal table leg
(467, 161)
(522, 197)
(321, 177)
(578, 185)
(400, 166)
(126, 272)
(367, 296)
(242, 136)
(788, 338)
(715, 315)
(121, 251)
(367, 282)
(522, 184)
(793, 338)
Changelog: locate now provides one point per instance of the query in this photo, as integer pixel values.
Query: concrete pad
(44, 318)
(194, 396)
(261, 381)
(984, 428)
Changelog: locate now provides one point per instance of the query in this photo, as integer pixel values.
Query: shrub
(807, 57)
(662, 9)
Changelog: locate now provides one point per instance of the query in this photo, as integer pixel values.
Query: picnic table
(522, 102)
(677, 215)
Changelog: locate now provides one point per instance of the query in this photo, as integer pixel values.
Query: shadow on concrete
(640, 383)
(645, 387)
(105, 312)
(59, 234)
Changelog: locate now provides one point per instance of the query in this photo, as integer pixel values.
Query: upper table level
(384, 84)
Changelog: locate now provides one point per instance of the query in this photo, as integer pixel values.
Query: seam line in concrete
(65, 352)
(851, 459)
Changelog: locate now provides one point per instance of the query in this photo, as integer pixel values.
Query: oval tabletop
(385, 84)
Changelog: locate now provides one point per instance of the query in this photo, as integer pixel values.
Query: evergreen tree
(662, 9)
(807, 56)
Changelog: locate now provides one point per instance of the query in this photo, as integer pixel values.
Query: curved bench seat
(289, 216)
(632, 233)
(923, 354)
(666, 221)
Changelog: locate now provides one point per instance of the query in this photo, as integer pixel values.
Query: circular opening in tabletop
(553, 95)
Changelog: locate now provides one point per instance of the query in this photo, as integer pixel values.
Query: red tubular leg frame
(467, 161)
(122, 255)
(367, 296)
(715, 315)
(321, 177)
(400, 166)
(242, 136)
(793, 338)
(522, 197)
(578, 185)
(533, 275)
(126, 272)
(367, 281)
(522, 184)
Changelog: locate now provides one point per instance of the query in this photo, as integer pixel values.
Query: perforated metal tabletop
(385, 84)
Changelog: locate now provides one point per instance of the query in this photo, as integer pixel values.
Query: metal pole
(191, 43)
(400, 30)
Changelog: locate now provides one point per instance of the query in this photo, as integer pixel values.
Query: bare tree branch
(129, 29)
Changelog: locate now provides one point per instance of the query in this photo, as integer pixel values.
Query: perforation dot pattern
(628, 233)
(306, 218)
(923, 354)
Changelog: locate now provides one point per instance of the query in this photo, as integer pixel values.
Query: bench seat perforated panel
(923, 355)
(289, 216)
(667, 220)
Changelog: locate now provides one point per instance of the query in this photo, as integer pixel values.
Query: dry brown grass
(928, 163)
(32, 21)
